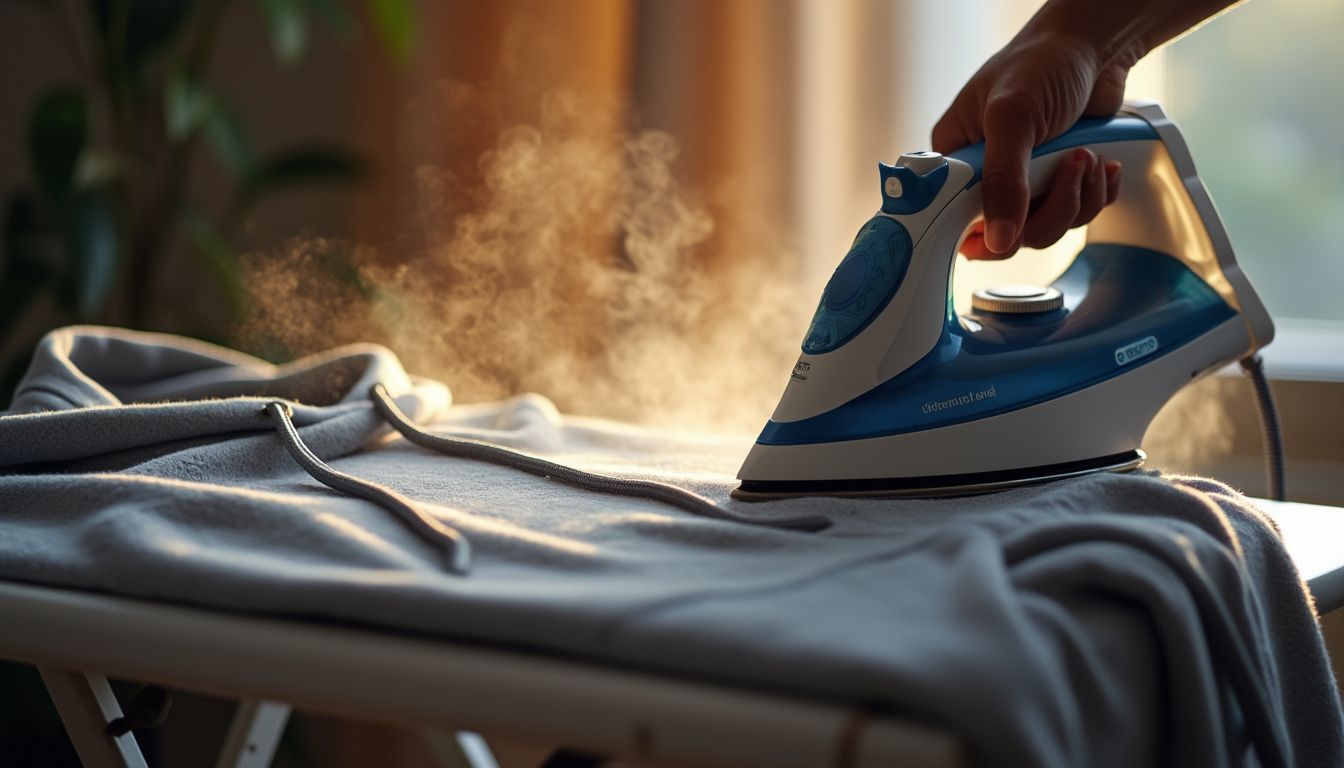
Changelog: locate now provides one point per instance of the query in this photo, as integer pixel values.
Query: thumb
(1009, 137)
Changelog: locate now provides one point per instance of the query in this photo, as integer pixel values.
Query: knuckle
(1072, 207)
(1015, 111)
(1005, 178)
(1086, 217)
(1005, 195)
(1010, 103)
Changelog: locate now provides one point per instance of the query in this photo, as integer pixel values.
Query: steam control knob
(912, 183)
(921, 163)
(1017, 299)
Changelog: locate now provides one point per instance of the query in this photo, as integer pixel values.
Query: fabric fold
(107, 398)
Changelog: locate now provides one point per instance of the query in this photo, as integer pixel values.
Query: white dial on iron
(1017, 299)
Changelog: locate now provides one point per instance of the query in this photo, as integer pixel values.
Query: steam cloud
(1194, 428)
(575, 270)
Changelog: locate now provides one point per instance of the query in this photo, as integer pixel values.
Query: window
(1259, 94)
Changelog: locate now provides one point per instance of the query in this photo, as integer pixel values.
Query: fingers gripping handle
(1092, 133)
(921, 306)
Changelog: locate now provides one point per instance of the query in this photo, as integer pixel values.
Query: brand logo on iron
(1131, 352)
(800, 370)
(971, 396)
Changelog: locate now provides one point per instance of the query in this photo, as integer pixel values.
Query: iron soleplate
(938, 486)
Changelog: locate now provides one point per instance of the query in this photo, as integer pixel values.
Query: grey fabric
(1107, 620)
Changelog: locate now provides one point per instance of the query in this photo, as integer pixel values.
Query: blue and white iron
(895, 394)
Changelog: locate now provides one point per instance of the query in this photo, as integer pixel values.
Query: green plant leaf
(98, 169)
(227, 136)
(294, 166)
(189, 105)
(24, 274)
(57, 130)
(396, 23)
(91, 232)
(185, 105)
(288, 22)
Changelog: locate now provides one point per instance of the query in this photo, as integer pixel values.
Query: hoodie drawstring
(465, 448)
(456, 548)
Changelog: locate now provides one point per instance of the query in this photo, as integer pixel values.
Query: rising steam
(1195, 428)
(575, 269)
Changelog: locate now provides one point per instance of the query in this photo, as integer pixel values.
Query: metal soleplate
(938, 486)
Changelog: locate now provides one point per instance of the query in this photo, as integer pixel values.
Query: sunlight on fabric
(477, 527)
(350, 530)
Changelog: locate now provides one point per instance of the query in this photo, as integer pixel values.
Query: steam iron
(895, 394)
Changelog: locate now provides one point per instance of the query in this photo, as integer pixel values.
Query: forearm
(1122, 30)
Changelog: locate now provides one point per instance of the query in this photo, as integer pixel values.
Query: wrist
(1106, 32)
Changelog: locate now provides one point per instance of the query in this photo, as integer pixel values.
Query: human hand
(1029, 92)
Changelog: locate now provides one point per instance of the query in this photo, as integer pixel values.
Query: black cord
(1269, 426)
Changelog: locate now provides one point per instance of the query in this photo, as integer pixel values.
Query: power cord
(1269, 426)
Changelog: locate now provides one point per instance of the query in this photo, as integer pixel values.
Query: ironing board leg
(254, 734)
(86, 704)
(459, 749)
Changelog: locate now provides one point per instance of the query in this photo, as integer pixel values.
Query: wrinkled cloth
(1104, 620)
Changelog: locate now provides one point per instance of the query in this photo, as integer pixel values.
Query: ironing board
(77, 639)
